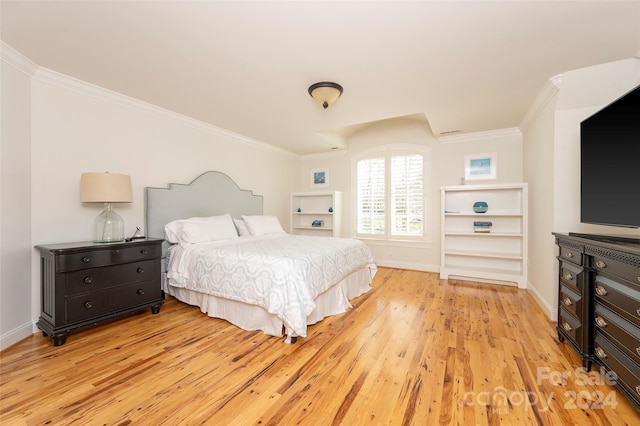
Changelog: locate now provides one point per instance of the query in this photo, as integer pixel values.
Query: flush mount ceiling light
(325, 92)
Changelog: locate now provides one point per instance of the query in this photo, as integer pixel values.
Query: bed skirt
(250, 317)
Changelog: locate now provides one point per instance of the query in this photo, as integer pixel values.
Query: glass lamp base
(108, 227)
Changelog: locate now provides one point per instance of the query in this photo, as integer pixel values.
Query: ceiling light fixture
(325, 92)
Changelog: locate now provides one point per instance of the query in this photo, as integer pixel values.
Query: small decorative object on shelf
(330, 209)
(317, 223)
(299, 209)
(482, 227)
(480, 207)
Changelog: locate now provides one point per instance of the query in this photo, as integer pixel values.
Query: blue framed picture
(319, 178)
(480, 166)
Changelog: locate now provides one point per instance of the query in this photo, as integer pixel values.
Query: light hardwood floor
(415, 350)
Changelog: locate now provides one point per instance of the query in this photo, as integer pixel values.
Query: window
(390, 195)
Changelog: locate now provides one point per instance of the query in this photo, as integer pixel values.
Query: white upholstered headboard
(210, 194)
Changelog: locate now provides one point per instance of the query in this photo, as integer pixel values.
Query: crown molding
(547, 93)
(476, 136)
(12, 57)
(83, 87)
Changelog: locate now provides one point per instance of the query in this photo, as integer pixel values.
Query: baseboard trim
(15, 335)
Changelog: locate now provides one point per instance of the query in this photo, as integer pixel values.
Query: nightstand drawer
(105, 257)
(94, 279)
(621, 298)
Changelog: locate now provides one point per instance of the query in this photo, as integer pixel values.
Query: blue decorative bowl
(480, 207)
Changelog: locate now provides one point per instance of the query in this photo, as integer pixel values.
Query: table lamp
(106, 188)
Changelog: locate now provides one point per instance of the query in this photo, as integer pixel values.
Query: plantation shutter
(407, 202)
(371, 196)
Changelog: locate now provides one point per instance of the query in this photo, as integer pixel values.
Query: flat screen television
(610, 164)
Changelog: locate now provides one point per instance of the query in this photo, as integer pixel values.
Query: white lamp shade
(325, 94)
(105, 188)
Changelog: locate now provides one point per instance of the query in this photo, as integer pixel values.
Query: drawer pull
(140, 270)
(88, 280)
(601, 354)
(88, 305)
(638, 389)
(601, 264)
(569, 255)
(566, 326)
(638, 350)
(568, 276)
(601, 322)
(86, 259)
(143, 251)
(638, 311)
(141, 292)
(602, 291)
(566, 301)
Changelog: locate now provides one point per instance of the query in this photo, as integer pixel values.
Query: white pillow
(263, 225)
(241, 227)
(173, 230)
(200, 230)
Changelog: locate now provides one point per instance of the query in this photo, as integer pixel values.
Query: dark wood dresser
(86, 283)
(599, 304)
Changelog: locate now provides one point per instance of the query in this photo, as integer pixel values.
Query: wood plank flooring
(415, 350)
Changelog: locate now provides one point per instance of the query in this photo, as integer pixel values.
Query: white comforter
(282, 273)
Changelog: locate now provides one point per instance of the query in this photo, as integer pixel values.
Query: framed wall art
(481, 166)
(319, 178)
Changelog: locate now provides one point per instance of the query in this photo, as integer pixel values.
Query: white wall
(76, 127)
(447, 168)
(538, 171)
(15, 197)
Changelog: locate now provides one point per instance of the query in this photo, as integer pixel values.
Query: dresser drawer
(619, 297)
(89, 305)
(572, 254)
(619, 330)
(571, 327)
(105, 257)
(626, 370)
(571, 275)
(617, 268)
(571, 301)
(94, 279)
(134, 294)
(85, 307)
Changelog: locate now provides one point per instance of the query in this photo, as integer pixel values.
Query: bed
(260, 278)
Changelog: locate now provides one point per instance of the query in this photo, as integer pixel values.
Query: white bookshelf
(307, 207)
(498, 256)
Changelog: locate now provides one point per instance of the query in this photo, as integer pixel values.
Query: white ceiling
(246, 66)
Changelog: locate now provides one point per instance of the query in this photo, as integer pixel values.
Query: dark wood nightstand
(86, 283)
